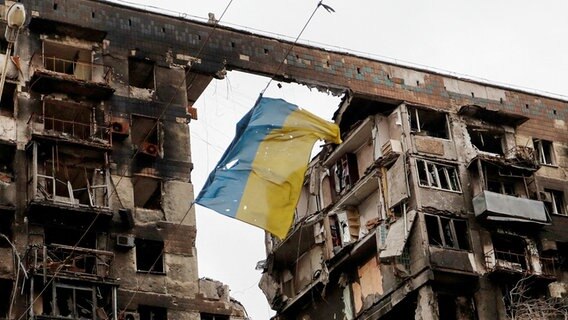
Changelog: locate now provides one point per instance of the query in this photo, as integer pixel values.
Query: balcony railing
(67, 260)
(548, 265)
(82, 131)
(505, 260)
(86, 71)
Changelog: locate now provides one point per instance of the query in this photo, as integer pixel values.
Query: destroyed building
(95, 185)
(444, 194)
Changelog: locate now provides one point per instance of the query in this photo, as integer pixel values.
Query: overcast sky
(520, 43)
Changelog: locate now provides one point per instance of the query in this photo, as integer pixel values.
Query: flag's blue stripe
(224, 187)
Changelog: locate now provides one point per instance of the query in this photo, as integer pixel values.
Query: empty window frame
(152, 313)
(429, 123)
(74, 302)
(345, 173)
(544, 151)
(554, 201)
(141, 73)
(438, 176)
(511, 250)
(486, 140)
(502, 187)
(149, 256)
(447, 232)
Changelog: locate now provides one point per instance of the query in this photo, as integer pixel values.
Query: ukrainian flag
(259, 177)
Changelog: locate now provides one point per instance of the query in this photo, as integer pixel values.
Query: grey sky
(520, 43)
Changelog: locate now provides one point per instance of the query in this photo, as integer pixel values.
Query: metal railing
(548, 265)
(505, 260)
(83, 131)
(86, 71)
(62, 259)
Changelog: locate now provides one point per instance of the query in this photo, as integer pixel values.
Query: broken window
(70, 119)
(7, 103)
(77, 177)
(152, 313)
(438, 176)
(141, 73)
(69, 236)
(5, 297)
(554, 201)
(502, 187)
(486, 140)
(344, 227)
(148, 193)
(68, 60)
(544, 151)
(447, 232)
(510, 252)
(208, 316)
(149, 256)
(345, 173)
(6, 160)
(429, 123)
(6, 219)
(73, 301)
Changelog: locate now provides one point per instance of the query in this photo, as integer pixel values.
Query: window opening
(486, 140)
(6, 163)
(510, 252)
(429, 123)
(7, 104)
(447, 232)
(438, 176)
(141, 73)
(544, 151)
(148, 193)
(345, 173)
(148, 252)
(152, 313)
(554, 201)
(74, 302)
(5, 297)
(6, 220)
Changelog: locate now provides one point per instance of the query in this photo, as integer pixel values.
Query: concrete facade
(95, 175)
(444, 195)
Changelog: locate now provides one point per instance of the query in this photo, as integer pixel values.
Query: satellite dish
(16, 16)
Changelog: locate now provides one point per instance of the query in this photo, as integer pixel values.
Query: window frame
(453, 233)
(415, 126)
(557, 201)
(161, 262)
(539, 146)
(435, 175)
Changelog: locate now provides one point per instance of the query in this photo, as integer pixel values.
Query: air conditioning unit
(127, 315)
(150, 149)
(119, 126)
(125, 241)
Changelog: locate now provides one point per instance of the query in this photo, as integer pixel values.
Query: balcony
(70, 262)
(77, 78)
(70, 124)
(492, 206)
(498, 260)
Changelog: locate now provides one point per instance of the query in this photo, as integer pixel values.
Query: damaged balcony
(71, 70)
(67, 181)
(71, 262)
(493, 206)
(69, 121)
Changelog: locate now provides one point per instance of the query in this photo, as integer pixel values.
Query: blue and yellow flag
(259, 178)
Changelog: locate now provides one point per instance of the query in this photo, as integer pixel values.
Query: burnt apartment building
(95, 185)
(446, 200)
